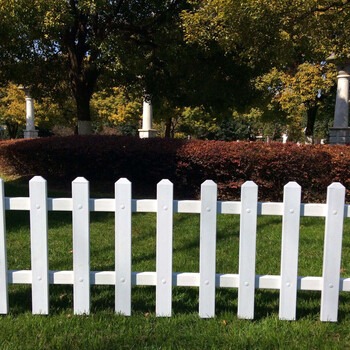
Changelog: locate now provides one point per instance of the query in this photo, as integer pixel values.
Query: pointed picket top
(336, 186)
(209, 183)
(123, 181)
(37, 179)
(292, 184)
(249, 184)
(165, 182)
(79, 180)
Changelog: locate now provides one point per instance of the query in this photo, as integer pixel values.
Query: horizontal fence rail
(288, 282)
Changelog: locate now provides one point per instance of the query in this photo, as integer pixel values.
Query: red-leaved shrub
(186, 163)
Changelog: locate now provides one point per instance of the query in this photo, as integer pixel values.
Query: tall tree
(287, 38)
(296, 95)
(84, 38)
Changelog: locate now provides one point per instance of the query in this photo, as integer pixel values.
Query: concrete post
(147, 119)
(29, 131)
(340, 132)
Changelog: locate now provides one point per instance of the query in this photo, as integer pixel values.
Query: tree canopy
(285, 42)
(83, 38)
(206, 61)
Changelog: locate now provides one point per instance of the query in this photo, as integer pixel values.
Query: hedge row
(186, 163)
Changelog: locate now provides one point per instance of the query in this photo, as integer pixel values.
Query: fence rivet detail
(248, 211)
(165, 207)
(331, 285)
(122, 280)
(335, 212)
(81, 279)
(39, 278)
(208, 209)
(206, 282)
(163, 281)
(38, 206)
(122, 206)
(288, 284)
(80, 206)
(291, 211)
(246, 284)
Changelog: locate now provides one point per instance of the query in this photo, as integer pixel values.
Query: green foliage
(294, 93)
(235, 128)
(91, 46)
(48, 112)
(272, 33)
(197, 122)
(117, 108)
(203, 125)
(79, 41)
(12, 109)
(283, 42)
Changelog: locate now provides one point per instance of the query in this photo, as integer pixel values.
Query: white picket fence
(330, 284)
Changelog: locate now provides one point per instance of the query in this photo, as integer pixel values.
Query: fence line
(291, 209)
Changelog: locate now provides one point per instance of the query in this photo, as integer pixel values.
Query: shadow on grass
(184, 301)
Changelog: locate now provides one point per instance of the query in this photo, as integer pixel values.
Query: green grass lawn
(103, 329)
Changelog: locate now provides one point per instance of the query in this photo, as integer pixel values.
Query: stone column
(29, 131)
(340, 132)
(147, 119)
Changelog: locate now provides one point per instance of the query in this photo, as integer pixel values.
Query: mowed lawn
(103, 329)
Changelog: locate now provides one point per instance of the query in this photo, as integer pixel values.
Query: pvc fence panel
(4, 302)
(290, 250)
(123, 247)
(81, 246)
(39, 245)
(288, 282)
(332, 252)
(207, 249)
(164, 248)
(247, 250)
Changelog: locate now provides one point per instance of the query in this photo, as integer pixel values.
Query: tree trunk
(168, 128)
(83, 85)
(310, 124)
(82, 98)
(12, 129)
(83, 76)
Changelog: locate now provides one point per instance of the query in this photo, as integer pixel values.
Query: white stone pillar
(147, 120)
(30, 125)
(341, 114)
(29, 131)
(340, 132)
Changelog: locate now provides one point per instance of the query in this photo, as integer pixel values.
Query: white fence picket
(332, 252)
(81, 246)
(164, 248)
(4, 302)
(290, 251)
(247, 250)
(39, 245)
(123, 247)
(207, 254)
